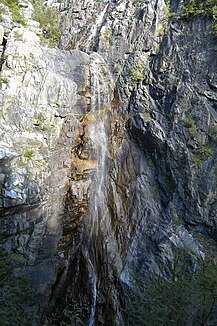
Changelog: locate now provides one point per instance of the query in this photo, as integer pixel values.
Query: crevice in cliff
(2, 52)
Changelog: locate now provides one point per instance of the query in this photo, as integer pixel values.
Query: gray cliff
(107, 151)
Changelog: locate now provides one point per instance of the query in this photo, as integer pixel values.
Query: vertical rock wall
(108, 160)
(161, 145)
(44, 93)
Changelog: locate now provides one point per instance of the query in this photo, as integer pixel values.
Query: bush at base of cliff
(188, 298)
(16, 295)
(72, 314)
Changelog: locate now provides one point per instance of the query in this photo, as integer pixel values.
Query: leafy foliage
(71, 315)
(49, 21)
(205, 7)
(16, 295)
(14, 7)
(192, 129)
(136, 74)
(188, 297)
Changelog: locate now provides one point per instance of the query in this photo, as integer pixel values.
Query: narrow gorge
(108, 162)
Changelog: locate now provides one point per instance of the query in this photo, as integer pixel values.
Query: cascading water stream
(98, 137)
(98, 133)
(92, 274)
(98, 23)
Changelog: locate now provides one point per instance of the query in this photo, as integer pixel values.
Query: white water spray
(93, 31)
(98, 136)
(92, 275)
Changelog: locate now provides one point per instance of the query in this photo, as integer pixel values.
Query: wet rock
(103, 180)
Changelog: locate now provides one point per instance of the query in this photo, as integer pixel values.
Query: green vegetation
(49, 22)
(207, 8)
(107, 37)
(188, 123)
(168, 183)
(16, 295)
(4, 80)
(213, 132)
(161, 31)
(191, 9)
(72, 315)
(179, 221)
(13, 6)
(28, 153)
(25, 155)
(136, 74)
(3, 11)
(18, 35)
(42, 125)
(203, 151)
(192, 129)
(150, 163)
(146, 116)
(40, 120)
(21, 164)
(187, 297)
(167, 11)
(196, 161)
(201, 154)
(156, 192)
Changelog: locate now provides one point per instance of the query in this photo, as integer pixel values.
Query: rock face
(108, 158)
(161, 141)
(41, 104)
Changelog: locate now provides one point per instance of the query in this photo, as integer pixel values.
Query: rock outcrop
(41, 107)
(108, 158)
(162, 140)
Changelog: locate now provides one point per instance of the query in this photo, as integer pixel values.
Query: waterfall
(96, 25)
(92, 274)
(93, 306)
(96, 132)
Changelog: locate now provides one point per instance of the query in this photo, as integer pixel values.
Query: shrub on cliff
(204, 7)
(49, 21)
(13, 6)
